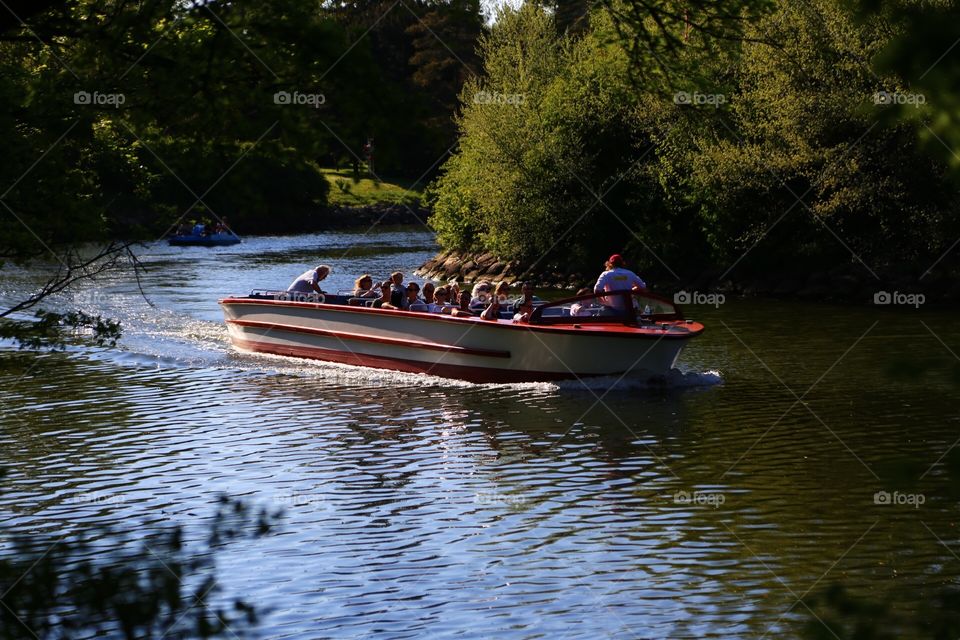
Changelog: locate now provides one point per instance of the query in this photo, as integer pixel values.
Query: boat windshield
(620, 307)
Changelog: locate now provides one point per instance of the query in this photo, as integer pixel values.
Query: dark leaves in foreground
(51, 329)
(114, 587)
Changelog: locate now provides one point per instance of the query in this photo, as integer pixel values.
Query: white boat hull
(464, 348)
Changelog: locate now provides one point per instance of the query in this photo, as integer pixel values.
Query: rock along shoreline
(846, 283)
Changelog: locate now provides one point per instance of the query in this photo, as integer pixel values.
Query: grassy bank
(346, 190)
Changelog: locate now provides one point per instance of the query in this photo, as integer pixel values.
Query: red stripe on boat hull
(470, 374)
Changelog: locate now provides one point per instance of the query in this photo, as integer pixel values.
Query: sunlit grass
(346, 190)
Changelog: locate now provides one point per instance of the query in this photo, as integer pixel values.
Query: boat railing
(618, 307)
(287, 296)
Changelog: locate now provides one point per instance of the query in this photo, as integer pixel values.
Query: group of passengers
(486, 300)
(203, 228)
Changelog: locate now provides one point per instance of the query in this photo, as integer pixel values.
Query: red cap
(616, 260)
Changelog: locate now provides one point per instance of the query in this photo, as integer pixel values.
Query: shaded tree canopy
(124, 117)
(701, 138)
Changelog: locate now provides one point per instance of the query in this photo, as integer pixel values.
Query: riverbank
(851, 283)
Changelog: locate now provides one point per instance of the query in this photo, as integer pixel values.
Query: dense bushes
(769, 154)
(119, 115)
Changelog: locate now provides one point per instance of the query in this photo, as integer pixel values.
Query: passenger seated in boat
(428, 290)
(309, 281)
(384, 300)
(199, 229)
(412, 296)
(583, 307)
(363, 287)
(397, 292)
(440, 299)
(481, 294)
(523, 307)
(463, 310)
(617, 277)
(499, 298)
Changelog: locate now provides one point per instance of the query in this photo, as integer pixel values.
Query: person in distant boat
(583, 307)
(499, 299)
(184, 229)
(428, 292)
(523, 307)
(617, 277)
(199, 229)
(363, 287)
(309, 281)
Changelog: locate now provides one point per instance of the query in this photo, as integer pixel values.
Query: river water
(416, 506)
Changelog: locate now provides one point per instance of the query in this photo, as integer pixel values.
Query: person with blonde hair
(481, 293)
(500, 295)
(363, 287)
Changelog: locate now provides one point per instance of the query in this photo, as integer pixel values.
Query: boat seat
(418, 306)
(356, 302)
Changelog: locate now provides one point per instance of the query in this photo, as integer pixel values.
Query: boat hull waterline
(463, 348)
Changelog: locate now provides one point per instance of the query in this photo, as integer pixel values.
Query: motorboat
(621, 333)
(222, 239)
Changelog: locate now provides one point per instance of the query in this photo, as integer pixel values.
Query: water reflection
(419, 506)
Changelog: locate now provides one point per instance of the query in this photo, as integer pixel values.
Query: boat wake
(674, 379)
(350, 374)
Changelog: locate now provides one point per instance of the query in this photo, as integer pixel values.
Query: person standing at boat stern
(309, 281)
(617, 277)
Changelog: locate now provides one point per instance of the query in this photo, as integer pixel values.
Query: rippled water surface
(418, 507)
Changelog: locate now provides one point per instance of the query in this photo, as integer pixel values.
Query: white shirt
(304, 283)
(616, 279)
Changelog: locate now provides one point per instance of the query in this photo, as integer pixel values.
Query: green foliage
(540, 134)
(51, 330)
(769, 143)
(119, 117)
(918, 59)
(110, 585)
(352, 190)
(803, 126)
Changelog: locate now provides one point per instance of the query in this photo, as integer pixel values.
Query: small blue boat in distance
(222, 239)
